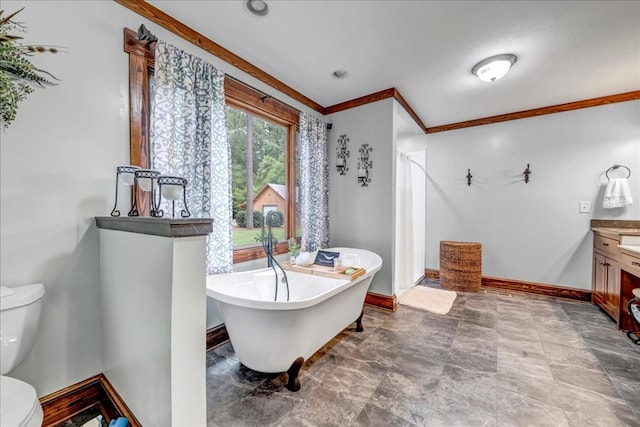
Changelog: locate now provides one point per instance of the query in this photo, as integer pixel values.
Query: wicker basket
(461, 266)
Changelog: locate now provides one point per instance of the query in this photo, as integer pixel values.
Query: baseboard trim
(527, 287)
(388, 302)
(97, 391)
(217, 336)
(431, 274)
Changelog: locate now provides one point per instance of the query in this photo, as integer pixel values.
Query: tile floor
(495, 359)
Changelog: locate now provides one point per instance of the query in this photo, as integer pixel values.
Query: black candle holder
(172, 188)
(126, 174)
(364, 164)
(343, 154)
(526, 174)
(144, 180)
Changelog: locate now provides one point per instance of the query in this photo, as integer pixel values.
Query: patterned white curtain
(313, 152)
(188, 138)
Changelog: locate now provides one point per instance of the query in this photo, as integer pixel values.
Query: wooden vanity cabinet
(606, 275)
(629, 280)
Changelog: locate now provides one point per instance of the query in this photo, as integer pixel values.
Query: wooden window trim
(238, 95)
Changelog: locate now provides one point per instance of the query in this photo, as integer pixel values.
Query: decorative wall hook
(126, 174)
(526, 173)
(469, 176)
(343, 154)
(364, 164)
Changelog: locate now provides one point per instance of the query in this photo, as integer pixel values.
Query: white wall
(153, 337)
(362, 217)
(58, 162)
(57, 170)
(531, 232)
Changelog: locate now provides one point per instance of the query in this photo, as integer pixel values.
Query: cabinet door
(613, 284)
(599, 276)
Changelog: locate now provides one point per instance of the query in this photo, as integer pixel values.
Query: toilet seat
(19, 404)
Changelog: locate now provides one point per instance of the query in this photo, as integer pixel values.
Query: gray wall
(362, 217)
(531, 232)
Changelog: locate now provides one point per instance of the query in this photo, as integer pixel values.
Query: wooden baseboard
(96, 391)
(527, 287)
(388, 302)
(217, 336)
(431, 274)
(537, 288)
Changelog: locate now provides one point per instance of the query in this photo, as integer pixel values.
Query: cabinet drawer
(606, 244)
(631, 263)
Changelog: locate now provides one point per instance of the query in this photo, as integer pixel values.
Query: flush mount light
(256, 7)
(339, 74)
(495, 67)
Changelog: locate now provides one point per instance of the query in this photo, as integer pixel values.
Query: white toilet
(19, 318)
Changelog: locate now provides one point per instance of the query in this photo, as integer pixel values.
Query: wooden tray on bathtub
(321, 270)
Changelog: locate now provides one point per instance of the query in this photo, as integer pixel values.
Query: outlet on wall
(585, 206)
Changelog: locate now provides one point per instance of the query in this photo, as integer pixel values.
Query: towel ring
(614, 167)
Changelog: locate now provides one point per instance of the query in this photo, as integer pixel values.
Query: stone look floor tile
(459, 416)
(468, 389)
(519, 410)
(594, 380)
(623, 365)
(579, 357)
(496, 359)
(373, 416)
(406, 396)
(474, 354)
(512, 360)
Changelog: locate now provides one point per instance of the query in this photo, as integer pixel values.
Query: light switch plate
(585, 206)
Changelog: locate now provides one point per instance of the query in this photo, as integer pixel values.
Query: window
(243, 101)
(258, 149)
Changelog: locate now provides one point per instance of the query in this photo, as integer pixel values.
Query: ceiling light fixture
(339, 74)
(495, 67)
(257, 7)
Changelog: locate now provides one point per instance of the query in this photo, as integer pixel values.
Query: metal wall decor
(172, 188)
(126, 174)
(469, 176)
(526, 174)
(364, 164)
(343, 154)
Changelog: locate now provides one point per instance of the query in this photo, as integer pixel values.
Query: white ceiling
(567, 50)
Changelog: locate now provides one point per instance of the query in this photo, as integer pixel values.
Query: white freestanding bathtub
(269, 336)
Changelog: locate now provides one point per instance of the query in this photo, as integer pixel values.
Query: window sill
(256, 252)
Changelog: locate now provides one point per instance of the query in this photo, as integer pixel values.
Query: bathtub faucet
(267, 244)
(267, 241)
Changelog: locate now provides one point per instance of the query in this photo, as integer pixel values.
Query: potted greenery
(18, 76)
(294, 249)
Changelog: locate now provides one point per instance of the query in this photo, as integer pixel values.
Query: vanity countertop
(631, 248)
(617, 231)
(615, 228)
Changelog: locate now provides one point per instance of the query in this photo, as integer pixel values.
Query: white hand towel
(617, 194)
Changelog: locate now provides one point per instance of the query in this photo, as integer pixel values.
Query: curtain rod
(146, 36)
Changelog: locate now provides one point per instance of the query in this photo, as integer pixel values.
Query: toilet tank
(20, 309)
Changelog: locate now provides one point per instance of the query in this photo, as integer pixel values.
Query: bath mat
(437, 301)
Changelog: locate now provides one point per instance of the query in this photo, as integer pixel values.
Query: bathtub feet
(359, 327)
(294, 370)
